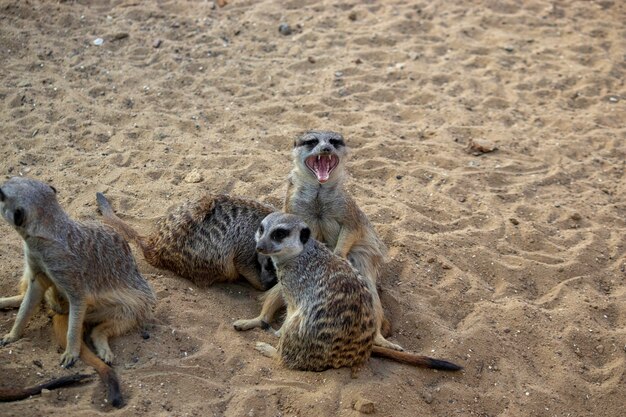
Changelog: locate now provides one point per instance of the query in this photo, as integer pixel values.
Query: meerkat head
(282, 236)
(24, 201)
(320, 154)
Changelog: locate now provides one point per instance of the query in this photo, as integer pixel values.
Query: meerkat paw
(106, 355)
(8, 338)
(68, 359)
(266, 349)
(379, 340)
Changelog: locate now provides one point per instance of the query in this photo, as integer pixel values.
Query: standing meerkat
(317, 194)
(90, 267)
(206, 240)
(331, 315)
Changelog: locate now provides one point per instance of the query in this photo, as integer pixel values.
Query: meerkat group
(316, 193)
(321, 258)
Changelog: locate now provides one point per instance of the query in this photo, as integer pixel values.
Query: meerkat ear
(305, 234)
(18, 217)
(53, 189)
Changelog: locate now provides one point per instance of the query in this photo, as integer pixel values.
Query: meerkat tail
(106, 373)
(16, 394)
(110, 218)
(415, 360)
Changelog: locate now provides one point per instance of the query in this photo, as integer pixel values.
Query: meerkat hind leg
(11, 302)
(273, 302)
(266, 349)
(102, 332)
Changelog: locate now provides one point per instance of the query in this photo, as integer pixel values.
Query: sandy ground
(510, 263)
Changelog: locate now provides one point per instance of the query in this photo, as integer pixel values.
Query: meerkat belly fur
(209, 239)
(317, 194)
(331, 317)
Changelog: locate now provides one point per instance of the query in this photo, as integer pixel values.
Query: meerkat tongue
(322, 166)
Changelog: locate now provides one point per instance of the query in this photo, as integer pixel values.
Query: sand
(511, 263)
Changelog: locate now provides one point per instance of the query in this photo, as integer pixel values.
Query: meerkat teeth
(318, 157)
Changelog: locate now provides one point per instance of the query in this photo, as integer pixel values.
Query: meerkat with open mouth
(316, 192)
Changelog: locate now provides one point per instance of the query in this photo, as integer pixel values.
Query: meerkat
(331, 313)
(89, 265)
(206, 240)
(316, 193)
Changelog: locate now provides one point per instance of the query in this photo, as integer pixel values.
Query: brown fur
(207, 240)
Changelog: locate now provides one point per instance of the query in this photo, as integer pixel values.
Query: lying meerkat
(331, 313)
(317, 194)
(90, 267)
(206, 240)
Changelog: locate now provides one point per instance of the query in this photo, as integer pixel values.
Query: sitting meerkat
(317, 194)
(331, 315)
(206, 240)
(90, 268)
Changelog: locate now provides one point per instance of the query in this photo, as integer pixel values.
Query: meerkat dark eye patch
(337, 143)
(308, 143)
(279, 234)
(18, 217)
(305, 234)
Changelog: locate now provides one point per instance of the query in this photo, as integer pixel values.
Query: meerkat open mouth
(322, 165)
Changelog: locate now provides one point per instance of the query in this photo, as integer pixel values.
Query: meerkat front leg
(345, 241)
(32, 298)
(78, 308)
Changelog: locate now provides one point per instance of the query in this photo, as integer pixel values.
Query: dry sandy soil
(511, 263)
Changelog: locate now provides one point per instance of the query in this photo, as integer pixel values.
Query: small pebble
(157, 43)
(194, 177)
(364, 406)
(576, 217)
(398, 177)
(46, 393)
(514, 221)
(311, 60)
(352, 16)
(600, 348)
(358, 61)
(98, 41)
(427, 396)
(38, 363)
(285, 29)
